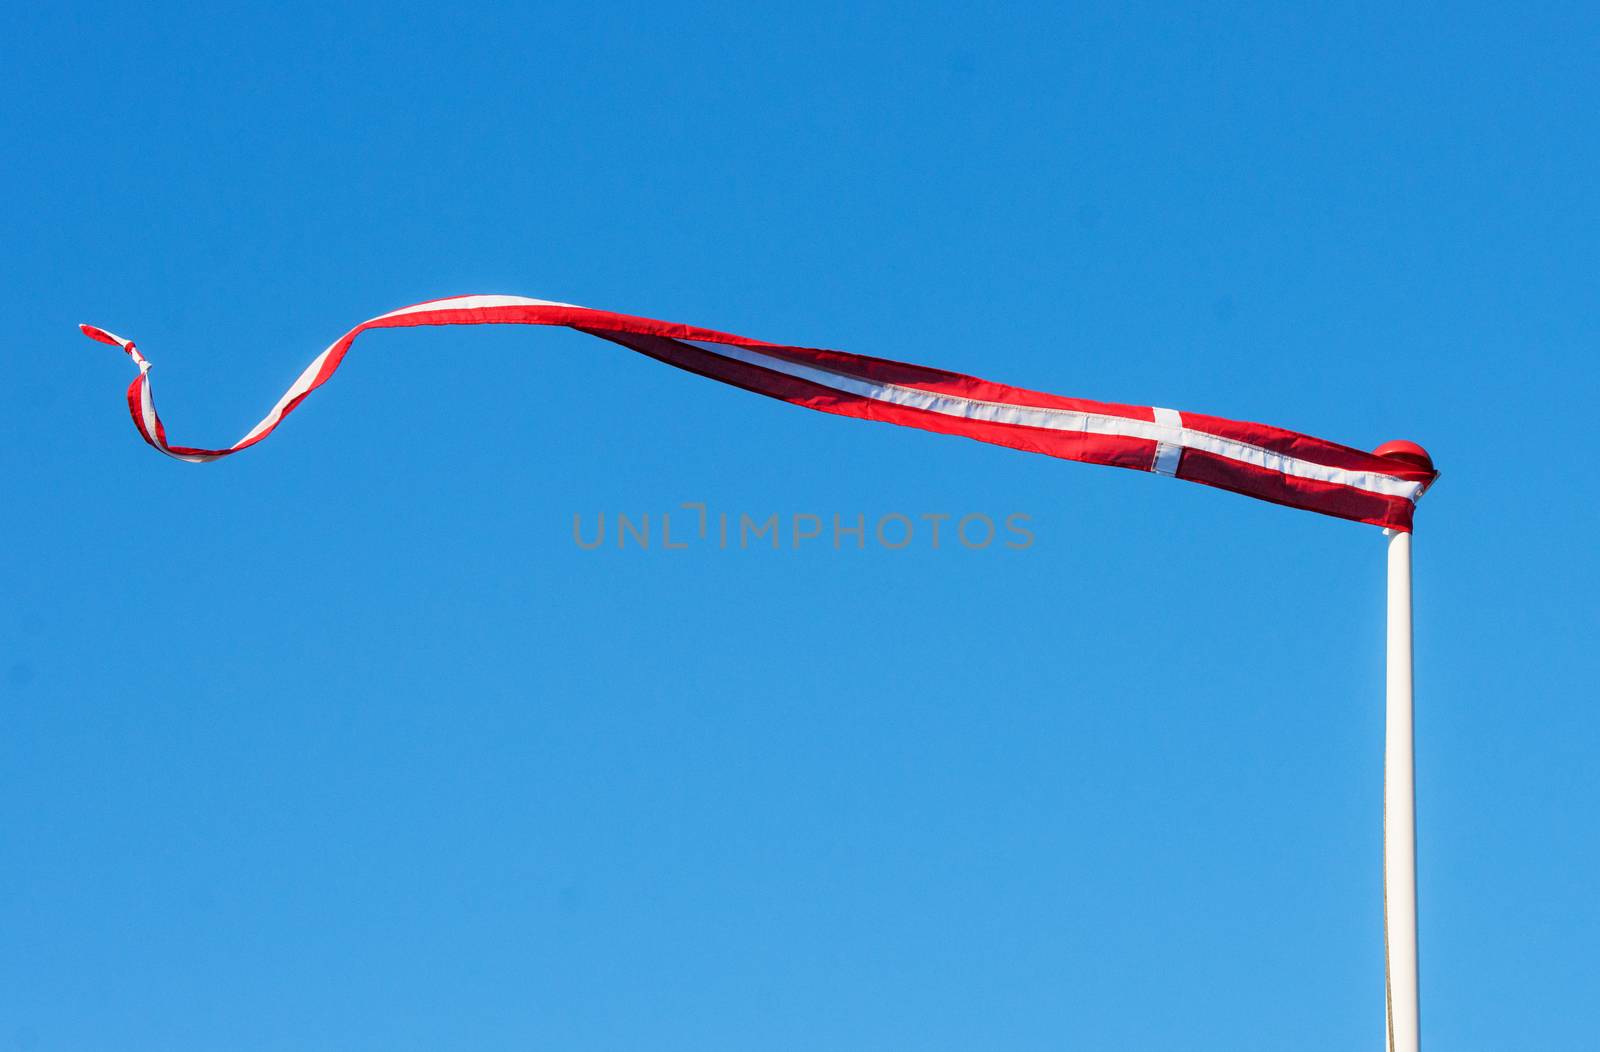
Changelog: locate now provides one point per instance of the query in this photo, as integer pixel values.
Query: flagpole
(1402, 1008)
(1399, 813)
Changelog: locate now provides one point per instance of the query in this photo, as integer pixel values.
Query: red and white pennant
(1265, 462)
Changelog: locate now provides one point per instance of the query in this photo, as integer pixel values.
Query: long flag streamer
(1268, 463)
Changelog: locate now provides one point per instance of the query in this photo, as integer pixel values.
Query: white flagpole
(1399, 814)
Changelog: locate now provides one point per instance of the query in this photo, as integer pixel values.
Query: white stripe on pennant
(474, 303)
(1070, 420)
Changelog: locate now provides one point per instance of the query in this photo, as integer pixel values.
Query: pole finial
(1406, 452)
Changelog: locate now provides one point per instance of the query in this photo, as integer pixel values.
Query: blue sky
(344, 744)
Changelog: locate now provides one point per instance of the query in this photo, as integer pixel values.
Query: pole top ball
(1407, 453)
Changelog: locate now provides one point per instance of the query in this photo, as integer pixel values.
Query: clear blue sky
(344, 744)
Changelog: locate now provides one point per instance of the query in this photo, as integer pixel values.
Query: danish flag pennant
(1267, 463)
